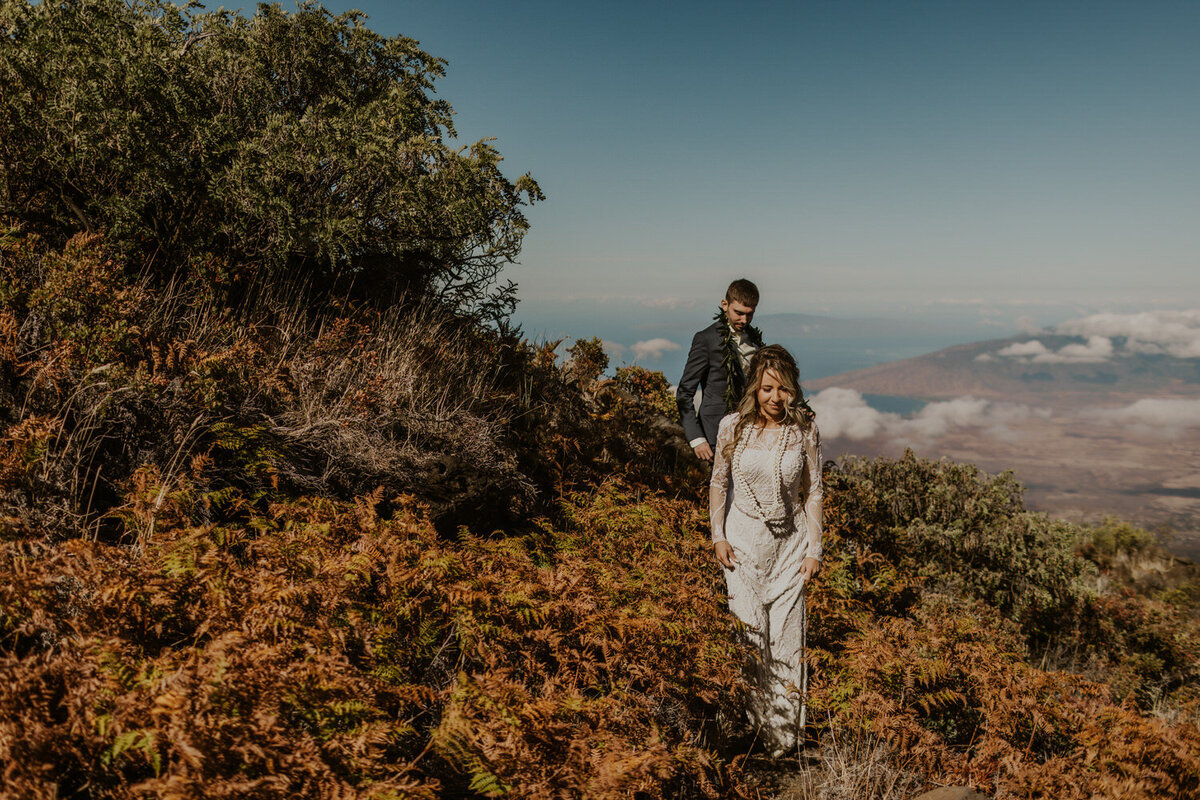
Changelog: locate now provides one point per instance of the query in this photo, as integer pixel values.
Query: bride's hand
(724, 553)
(809, 569)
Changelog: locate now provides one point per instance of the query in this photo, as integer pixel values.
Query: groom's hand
(703, 451)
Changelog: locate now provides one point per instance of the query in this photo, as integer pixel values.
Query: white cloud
(1167, 417)
(1097, 349)
(1019, 349)
(937, 419)
(614, 349)
(653, 349)
(1175, 333)
(843, 413)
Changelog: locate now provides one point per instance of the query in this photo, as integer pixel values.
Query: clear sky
(850, 157)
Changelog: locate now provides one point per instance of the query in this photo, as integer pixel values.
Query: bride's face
(773, 395)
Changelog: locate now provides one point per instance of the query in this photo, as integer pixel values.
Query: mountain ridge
(1087, 438)
(975, 369)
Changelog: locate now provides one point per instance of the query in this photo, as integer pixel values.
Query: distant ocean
(821, 356)
(822, 345)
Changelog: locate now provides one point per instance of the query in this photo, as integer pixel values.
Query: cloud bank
(1172, 333)
(1166, 417)
(1097, 349)
(844, 414)
(1175, 333)
(1021, 349)
(653, 349)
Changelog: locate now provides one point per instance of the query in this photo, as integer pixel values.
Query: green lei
(735, 379)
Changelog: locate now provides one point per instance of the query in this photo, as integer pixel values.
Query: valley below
(1088, 437)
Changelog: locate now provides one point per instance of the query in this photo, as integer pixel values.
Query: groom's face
(738, 314)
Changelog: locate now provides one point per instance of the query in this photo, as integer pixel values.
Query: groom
(716, 365)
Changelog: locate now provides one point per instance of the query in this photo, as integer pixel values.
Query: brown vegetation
(223, 577)
(321, 651)
(105, 375)
(287, 510)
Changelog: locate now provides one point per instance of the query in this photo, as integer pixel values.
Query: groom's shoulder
(711, 333)
(706, 340)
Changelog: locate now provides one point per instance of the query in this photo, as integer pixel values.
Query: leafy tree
(226, 152)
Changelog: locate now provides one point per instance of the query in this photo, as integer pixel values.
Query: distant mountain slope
(1048, 369)
(1092, 426)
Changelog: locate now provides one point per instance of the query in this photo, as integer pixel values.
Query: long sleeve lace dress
(765, 500)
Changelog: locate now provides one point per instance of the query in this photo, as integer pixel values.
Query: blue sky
(1005, 160)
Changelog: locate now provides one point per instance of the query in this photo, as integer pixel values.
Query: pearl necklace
(775, 517)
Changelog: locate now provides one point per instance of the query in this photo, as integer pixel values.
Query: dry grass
(862, 767)
(408, 390)
(335, 400)
(845, 767)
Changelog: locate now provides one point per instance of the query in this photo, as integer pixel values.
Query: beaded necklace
(776, 516)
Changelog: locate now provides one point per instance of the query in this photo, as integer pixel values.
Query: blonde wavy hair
(776, 358)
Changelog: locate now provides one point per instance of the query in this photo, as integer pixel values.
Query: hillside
(290, 510)
(273, 587)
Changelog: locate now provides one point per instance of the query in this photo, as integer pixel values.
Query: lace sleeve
(720, 484)
(813, 487)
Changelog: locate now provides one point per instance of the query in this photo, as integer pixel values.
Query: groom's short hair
(742, 291)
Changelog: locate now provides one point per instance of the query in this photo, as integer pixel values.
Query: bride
(765, 508)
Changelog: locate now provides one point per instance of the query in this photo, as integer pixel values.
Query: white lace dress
(765, 500)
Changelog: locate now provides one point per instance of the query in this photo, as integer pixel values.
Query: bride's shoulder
(727, 423)
(810, 432)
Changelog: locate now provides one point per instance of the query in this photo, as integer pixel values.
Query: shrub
(588, 361)
(938, 596)
(650, 387)
(298, 148)
(950, 690)
(123, 377)
(952, 524)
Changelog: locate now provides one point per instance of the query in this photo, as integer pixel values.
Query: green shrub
(954, 525)
(650, 387)
(224, 153)
(1113, 537)
(588, 361)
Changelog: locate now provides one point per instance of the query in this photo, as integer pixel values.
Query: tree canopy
(223, 151)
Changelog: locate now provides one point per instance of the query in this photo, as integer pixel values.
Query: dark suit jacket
(705, 371)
